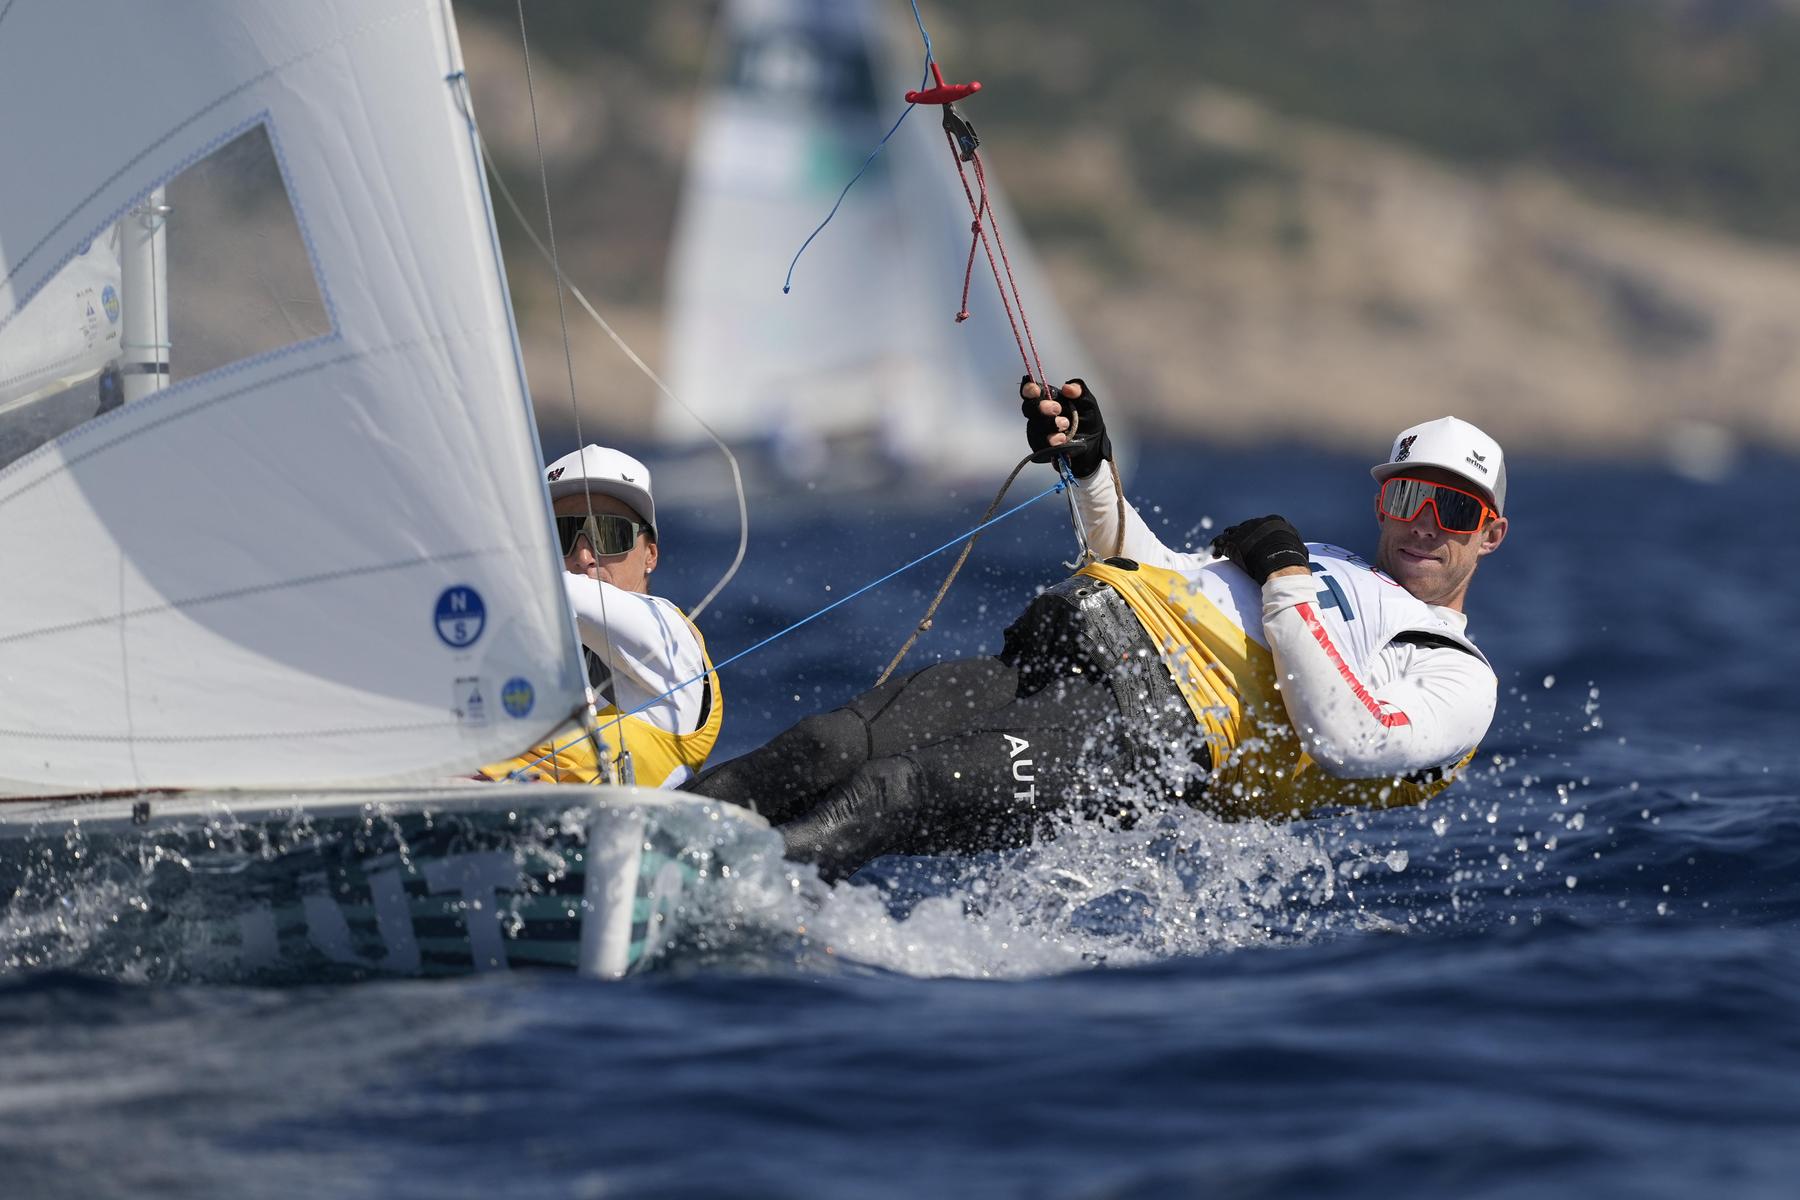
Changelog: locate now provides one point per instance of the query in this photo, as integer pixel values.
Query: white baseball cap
(605, 472)
(1455, 445)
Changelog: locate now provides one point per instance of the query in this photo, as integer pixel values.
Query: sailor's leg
(880, 810)
(790, 774)
(785, 777)
(942, 701)
(989, 788)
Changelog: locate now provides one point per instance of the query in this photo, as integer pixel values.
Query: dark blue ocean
(1575, 974)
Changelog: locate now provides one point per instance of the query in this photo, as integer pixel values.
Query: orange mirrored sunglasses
(1454, 509)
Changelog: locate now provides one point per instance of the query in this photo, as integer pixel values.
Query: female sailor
(646, 661)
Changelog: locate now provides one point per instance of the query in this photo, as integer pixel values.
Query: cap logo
(1403, 451)
(556, 474)
(626, 478)
(1478, 461)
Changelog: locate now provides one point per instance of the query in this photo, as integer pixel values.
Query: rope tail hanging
(984, 225)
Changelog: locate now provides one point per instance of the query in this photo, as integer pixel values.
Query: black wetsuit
(978, 753)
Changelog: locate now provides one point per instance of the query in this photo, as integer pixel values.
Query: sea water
(1575, 973)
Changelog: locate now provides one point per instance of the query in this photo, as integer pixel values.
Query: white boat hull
(301, 887)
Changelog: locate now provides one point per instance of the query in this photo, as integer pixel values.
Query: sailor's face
(1433, 565)
(630, 570)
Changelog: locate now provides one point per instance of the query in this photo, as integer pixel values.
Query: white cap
(1455, 445)
(604, 472)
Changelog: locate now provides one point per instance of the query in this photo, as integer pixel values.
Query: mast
(144, 280)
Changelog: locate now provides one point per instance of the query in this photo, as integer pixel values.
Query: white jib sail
(867, 342)
(328, 560)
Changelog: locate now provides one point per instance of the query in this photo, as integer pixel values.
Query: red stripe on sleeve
(1385, 713)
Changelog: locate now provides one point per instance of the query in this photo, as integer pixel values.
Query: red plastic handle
(943, 93)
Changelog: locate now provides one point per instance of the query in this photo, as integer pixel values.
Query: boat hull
(264, 888)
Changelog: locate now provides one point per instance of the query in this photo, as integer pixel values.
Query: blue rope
(926, 37)
(806, 620)
(787, 284)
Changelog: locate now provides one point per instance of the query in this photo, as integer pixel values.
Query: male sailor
(645, 660)
(1271, 678)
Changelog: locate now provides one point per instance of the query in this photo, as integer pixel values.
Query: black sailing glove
(1262, 546)
(1087, 449)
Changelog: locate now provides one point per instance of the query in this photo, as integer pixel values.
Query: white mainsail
(866, 344)
(329, 561)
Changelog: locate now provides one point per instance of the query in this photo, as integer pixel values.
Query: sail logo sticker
(466, 701)
(517, 696)
(109, 300)
(460, 616)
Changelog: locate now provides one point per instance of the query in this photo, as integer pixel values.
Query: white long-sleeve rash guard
(648, 644)
(1348, 719)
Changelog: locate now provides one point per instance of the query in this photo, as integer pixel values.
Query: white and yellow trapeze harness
(1389, 690)
(652, 649)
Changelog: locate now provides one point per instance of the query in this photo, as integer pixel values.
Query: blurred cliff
(1574, 221)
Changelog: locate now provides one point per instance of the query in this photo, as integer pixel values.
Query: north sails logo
(1478, 461)
(556, 474)
(1403, 451)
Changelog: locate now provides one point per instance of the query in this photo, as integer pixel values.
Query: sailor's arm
(1421, 705)
(643, 638)
(1097, 503)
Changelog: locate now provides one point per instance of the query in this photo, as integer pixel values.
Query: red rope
(999, 241)
(984, 219)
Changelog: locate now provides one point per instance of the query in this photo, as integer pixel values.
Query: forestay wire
(549, 254)
(561, 317)
(737, 476)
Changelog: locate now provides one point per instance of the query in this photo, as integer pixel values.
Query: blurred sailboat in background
(862, 372)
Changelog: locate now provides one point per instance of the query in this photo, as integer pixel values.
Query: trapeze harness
(1226, 679)
(659, 757)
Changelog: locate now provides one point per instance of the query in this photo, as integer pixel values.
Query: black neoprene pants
(964, 756)
(956, 758)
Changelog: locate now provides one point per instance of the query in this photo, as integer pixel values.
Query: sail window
(209, 270)
(241, 281)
